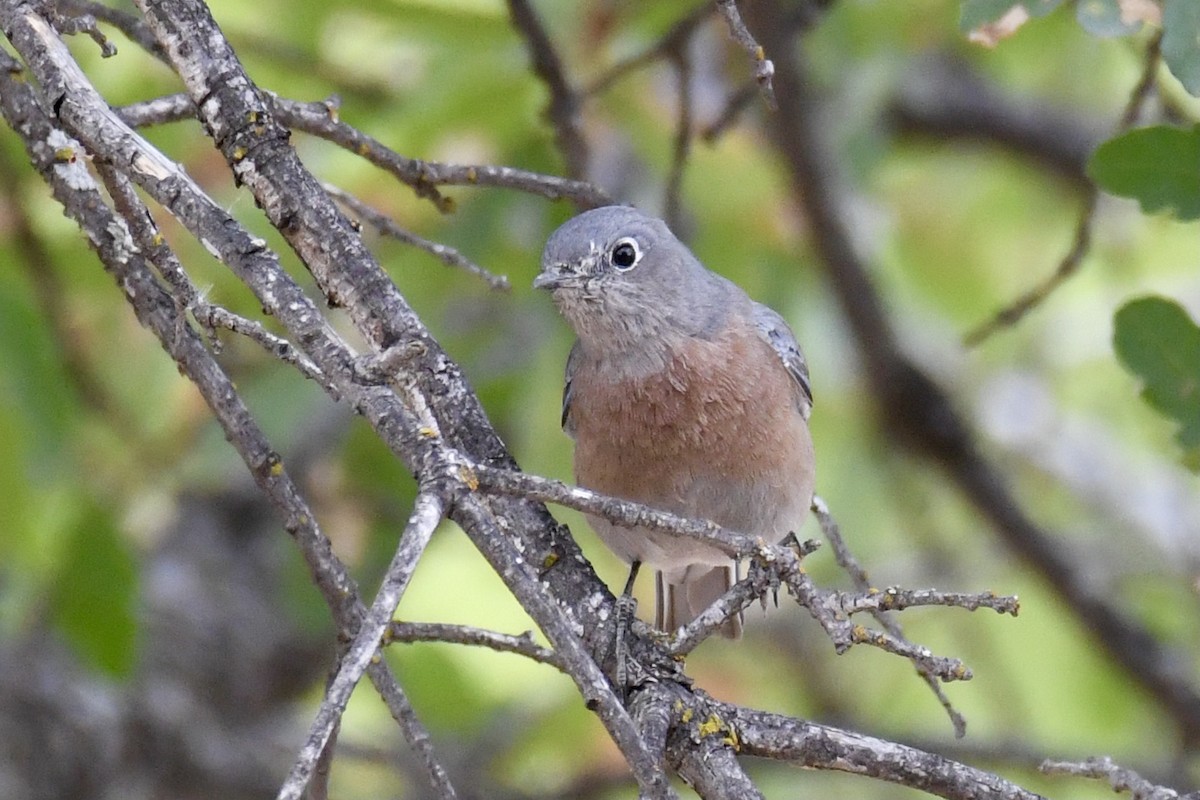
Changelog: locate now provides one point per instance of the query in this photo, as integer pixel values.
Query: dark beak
(555, 276)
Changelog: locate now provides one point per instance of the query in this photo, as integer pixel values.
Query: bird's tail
(680, 603)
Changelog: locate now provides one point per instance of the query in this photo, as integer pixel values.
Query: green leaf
(1181, 42)
(1103, 18)
(980, 12)
(94, 598)
(1159, 166)
(1156, 340)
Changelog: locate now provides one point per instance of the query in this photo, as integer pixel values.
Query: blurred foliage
(1158, 166)
(99, 435)
(1181, 46)
(1160, 343)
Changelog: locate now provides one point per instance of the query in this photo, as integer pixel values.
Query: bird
(680, 393)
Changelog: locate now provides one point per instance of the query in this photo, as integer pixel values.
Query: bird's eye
(625, 254)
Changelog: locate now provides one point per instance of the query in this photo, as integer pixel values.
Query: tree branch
(428, 510)
(764, 68)
(444, 253)
(563, 110)
(74, 188)
(1119, 778)
(1081, 242)
(809, 744)
(522, 645)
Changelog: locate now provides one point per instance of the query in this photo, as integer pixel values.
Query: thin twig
(619, 512)
(158, 111)
(424, 177)
(214, 316)
(764, 68)
(76, 20)
(1119, 778)
(427, 513)
(1081, 242)
(734, 107)
(682, 145)
(388, 227)
(894, 598)
(130, 25)
(522, 645)
(850, 565)
(845, 633)
(321, 119)
(758, 581)
(673, 40)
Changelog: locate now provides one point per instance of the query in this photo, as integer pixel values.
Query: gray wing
(775, 332)
(567, 425)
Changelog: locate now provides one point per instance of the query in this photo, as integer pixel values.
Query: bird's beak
(555, 276)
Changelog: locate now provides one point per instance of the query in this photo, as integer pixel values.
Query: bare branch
(620, 512)
(773, 565)
(522, 645)
(239, 119)
(162, 315)
(91, 117)
(759, 580)
(128, 24)
(320, 119)
(844, 633)
(424, 177)
(896, 599)
(764, 68)
(1082, 239)
(446, 254)
(427, 513)
(682, 144)
(1119, 778)
(78, 20)
(696, 739)
(810, 744)
(858, 575)
(159, 111)
(672, 41)
(214, 316)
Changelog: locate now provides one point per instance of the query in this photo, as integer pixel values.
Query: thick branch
(817, 746)
(74, 188)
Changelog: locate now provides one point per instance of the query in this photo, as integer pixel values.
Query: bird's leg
(626, 607)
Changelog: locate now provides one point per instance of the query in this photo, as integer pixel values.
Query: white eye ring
(625, 254)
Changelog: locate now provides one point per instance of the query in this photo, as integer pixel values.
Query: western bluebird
(681, 393)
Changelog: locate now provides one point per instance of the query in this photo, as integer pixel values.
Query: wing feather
(567, 425)
(775, 332)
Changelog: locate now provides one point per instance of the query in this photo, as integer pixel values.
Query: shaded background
(157, 634)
